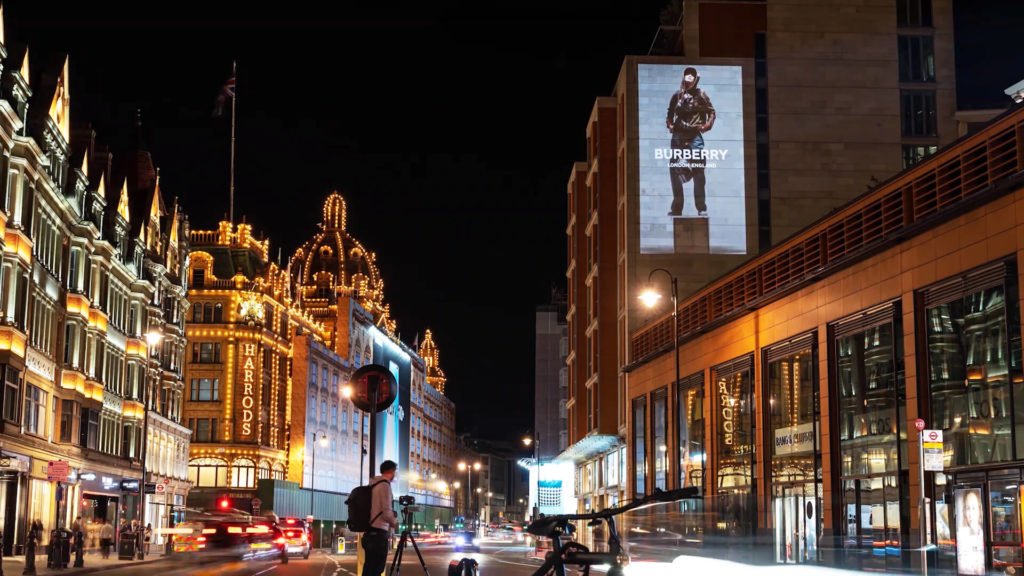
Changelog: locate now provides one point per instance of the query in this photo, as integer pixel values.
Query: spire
(122, 204)
(60, 107)
(24, 67)
(335, 212)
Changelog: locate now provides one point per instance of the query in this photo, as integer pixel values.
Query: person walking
(146, 538)
(106, 538)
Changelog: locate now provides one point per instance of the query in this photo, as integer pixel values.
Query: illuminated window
(203, 472)
(243, 473)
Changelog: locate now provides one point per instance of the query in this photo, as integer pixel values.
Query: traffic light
(224, 504)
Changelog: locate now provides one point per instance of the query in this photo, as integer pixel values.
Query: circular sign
(161, 488)
(256, 502)
(919, 424)
(933, 436)
(370, 381)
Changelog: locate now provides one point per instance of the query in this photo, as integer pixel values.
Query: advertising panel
(393, 423)
(691, 164)
(970, 531)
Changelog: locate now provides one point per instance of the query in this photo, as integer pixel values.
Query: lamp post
(469, 484)
(153, 338)
(312, 471)
(528, 441)
(455, 486)
(650, 297)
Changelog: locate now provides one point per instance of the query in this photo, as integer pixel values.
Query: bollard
(79, 544)
(30, 554)
(51, 558)
(1, 554)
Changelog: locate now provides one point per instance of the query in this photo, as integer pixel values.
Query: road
(497, 559)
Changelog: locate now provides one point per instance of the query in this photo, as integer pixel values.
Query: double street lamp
(650, 297)
(469, 480)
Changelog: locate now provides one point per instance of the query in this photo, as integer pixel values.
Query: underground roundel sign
(370, 379)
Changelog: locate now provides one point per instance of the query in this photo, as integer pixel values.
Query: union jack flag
(228, 91)
(229, 86)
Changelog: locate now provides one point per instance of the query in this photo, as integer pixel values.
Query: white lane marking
(264, 571)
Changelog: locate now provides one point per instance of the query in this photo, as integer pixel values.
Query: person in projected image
(970, 534)
(690, 114)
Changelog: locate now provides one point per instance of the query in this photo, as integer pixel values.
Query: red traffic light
(224, 503)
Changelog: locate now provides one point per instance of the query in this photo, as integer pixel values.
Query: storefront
(105, 498)
(735, 486)
(14, 470)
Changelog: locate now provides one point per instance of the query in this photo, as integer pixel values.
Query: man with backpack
(382, 519)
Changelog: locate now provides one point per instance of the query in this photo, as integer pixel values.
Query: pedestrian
(76, 526)
(106, 537)
(146, 538)
(383, 520)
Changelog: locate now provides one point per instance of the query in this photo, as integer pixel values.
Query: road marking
(264, 571)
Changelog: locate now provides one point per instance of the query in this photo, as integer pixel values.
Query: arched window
(264, 469)
(208, 472)
(208, 313)
(218, 313)
(278, 473)
(243, 473)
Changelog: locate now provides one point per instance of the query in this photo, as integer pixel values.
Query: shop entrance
(796, 520)
(978, 521)
(97, 508)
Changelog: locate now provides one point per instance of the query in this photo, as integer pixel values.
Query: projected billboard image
(692, 190)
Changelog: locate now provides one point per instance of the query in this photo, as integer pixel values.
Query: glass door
(796, 510)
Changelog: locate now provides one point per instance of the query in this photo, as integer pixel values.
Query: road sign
(57, 470)
(151, 487)
(161, 488)
(367, 380)
(256, 503)
(919, 424)
(931, 441)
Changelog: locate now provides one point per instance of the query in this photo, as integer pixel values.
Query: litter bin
(126, 546)
(62, 548)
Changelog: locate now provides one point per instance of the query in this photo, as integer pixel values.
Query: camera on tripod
(406, 500)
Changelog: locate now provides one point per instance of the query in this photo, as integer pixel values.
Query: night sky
(451, 136)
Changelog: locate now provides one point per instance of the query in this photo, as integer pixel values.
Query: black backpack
(360, 503)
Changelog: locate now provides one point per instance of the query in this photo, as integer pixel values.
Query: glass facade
(976, 397)
(690, 430)
(795, 445)
(872, 440)
(659, 405)
(639, 445)
(734, 447)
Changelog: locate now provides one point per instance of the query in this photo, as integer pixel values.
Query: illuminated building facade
(239, 367)
(336, 281)
(805, 370)
(91, 266)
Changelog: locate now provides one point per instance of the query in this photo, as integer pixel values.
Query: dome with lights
(335, 265)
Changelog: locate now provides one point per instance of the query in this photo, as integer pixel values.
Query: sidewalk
(15, 565)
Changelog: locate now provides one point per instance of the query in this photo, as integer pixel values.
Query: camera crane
(406, 502)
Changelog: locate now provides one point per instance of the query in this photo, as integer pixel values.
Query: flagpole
(234, 102)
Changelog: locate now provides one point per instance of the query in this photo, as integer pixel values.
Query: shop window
(869, 409)
(243, 473)
(659, 429)
(690, 430)
(639, 446)
(264, 471)
(208, 472)
(734, 443)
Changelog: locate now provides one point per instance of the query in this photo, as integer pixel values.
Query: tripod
(396, 562)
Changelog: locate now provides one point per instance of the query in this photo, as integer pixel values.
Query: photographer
(383, 518)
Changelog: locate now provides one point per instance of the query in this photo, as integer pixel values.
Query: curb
(44, 571)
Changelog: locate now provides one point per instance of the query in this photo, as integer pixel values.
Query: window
(334, 384)
(323, 412)
(914, 13)
(917, 58)
(12, 387)
(35, 410)
(918, 113)
(690, 430)
(344, 418)
(914, 154)
(205, 390)
(659, 405)
(204, 472)
(89, 431)
(206, 352)
(869, 396)
(334, 415)
(639, 445)
(205, 429)
(68, 419)
(975, 372)
(243, 473)
(734, 443)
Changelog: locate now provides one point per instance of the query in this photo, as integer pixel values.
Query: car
(229, 537)
(296, 535)
(466, 541)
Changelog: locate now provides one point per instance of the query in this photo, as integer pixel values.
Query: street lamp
(153, 338)
(312, 469)
(469, 483)
(530, 441)
(650, 297)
